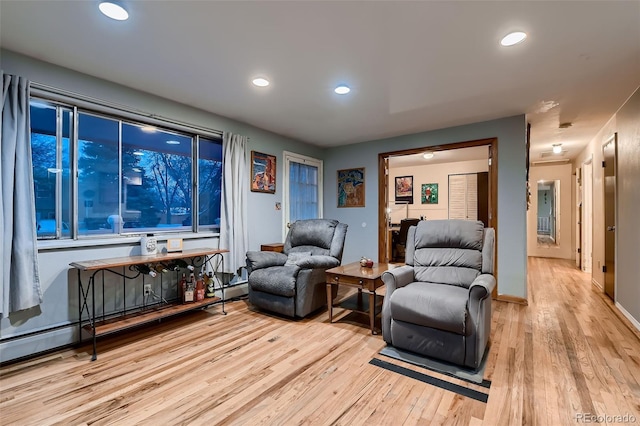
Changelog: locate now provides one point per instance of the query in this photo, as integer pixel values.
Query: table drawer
(351, 281)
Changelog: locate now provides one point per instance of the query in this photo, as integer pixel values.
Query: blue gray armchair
(292, 283)
(439, 303)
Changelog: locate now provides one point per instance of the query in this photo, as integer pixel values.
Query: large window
(130, 177)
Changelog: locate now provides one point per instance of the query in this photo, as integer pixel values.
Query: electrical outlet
(147, 289)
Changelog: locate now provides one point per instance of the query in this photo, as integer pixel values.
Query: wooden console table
(102, 324)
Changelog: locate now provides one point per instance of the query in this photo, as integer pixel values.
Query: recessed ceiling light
(513, 38)
(342, 89)
(557, 148)
(138, 153)
(113, 10)
(261, 82)
(149, 129)
(428, 155)
(173, 142)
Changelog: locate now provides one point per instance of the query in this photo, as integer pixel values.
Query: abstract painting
(351, 187)
(429, 193)
(263, 172)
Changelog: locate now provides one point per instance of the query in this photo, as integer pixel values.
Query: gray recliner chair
(293, 283)
(439, 304)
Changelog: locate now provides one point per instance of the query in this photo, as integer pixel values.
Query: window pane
(43, 156)
(157, 183)
(66, 212)
(51, 169)
(209, 182)
(98, 182)
(303, 191)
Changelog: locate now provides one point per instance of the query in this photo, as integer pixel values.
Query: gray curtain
(18, 241)
(235, 189)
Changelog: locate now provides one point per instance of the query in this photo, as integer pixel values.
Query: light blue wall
(362, 235)
(60, 291)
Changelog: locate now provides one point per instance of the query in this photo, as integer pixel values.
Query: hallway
(567, 354)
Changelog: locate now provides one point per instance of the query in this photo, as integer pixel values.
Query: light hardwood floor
(565, 353)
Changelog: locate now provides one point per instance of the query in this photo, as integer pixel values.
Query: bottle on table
(145, 270)
(210, 285)
(159, 267)
(189, 291)
(184, 265)
(182, 285)
(200, 288)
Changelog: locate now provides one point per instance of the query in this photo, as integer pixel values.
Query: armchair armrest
(396, 278)
(393, 279)
(482, 287)
(318, 262)
(264, 259)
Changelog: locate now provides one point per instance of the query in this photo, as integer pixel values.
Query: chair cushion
(278, 280)
(463, 234)
(439, 306)
(448, 251)
(313, 232)
(294, 257)
(447, 265)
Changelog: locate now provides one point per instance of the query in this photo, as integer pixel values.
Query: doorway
(302, 189)
(388, 206)
(547, 224)
(609, 151)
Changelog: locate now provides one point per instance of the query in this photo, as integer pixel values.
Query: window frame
(77, 105)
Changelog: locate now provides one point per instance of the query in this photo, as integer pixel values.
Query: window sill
(44, 245)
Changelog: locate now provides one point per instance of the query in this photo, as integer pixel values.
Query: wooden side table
(277, 247)
(354, 275)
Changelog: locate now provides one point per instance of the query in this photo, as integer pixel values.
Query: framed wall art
(351, 187)
(429, 193)
(263, 172)
(404, 189)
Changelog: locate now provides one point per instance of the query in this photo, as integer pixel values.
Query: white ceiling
(439, 157)
(412, 66)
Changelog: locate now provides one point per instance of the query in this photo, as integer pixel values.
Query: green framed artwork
(429, 193)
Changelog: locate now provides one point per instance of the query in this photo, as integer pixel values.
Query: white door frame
(587, 215)
(303, 159)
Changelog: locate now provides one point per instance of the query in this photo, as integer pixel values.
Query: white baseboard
(237, 290)
(597, 284)
(30, 345)
(633, 321)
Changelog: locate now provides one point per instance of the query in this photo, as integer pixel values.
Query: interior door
(302, 189)
(609, 164)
